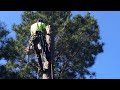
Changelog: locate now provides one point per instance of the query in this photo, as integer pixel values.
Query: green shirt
(41, 26)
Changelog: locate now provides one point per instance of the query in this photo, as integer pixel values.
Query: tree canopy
(75, 44)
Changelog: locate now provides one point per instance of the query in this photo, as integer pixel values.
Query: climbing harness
(42, 47)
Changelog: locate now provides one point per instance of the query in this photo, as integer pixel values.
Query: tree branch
(66, 63)
(37, 66)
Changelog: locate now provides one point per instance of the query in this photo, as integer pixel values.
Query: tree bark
(47, 66)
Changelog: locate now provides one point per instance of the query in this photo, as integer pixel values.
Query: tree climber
(40, 33)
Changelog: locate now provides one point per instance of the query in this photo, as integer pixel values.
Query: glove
(27, 50)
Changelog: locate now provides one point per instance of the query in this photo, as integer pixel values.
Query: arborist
(40, 33)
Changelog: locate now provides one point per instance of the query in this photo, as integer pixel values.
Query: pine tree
(75, 43)
(4, 55)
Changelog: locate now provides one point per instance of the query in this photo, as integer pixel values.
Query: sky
(9, 18)
(107, 65)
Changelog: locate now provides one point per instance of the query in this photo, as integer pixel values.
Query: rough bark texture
(46, 65)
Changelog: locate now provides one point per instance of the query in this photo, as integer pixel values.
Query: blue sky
(107, 64)
(10, 17)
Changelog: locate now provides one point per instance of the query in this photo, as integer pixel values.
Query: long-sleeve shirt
(38, 26)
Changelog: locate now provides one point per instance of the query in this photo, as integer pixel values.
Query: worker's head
(39, 20)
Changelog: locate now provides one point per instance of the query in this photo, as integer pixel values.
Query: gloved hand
(27, 50)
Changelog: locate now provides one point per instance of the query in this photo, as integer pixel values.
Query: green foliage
(75, 45)
(80, 45)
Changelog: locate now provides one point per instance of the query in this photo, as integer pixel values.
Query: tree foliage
(75, 44)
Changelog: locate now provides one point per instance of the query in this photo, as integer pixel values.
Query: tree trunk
(47, 66)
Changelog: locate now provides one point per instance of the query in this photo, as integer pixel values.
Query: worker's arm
(30, 40)
(48, 29)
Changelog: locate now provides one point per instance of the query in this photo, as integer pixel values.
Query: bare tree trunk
(47, 65)
(46, 69)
